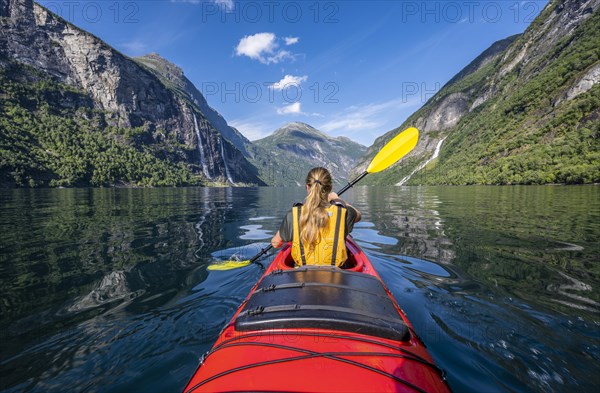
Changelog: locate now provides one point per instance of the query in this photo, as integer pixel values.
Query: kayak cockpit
(313, 297)
(353, 263)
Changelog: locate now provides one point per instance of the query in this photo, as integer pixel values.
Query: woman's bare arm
(277, 241)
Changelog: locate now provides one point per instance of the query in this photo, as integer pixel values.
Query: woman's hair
(314, 216)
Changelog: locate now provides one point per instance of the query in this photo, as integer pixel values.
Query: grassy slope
(520, 136)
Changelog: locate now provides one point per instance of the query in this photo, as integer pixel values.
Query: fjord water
(107, 289)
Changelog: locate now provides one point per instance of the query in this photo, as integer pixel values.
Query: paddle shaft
(353, 182)
(340, 192)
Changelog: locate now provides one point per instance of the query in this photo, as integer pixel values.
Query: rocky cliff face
(127, 94)
(505, 116)
(291, 151)
(172, 75)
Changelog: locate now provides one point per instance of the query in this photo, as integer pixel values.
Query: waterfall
(225, 162)
(436, 152)
(201, 149)
(207, 125)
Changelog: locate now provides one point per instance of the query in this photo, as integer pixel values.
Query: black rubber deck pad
(322, 298)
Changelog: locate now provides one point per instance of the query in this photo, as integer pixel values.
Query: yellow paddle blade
(228, 265)
(394, 150)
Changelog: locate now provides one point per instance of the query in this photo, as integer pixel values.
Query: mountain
(526, 111)
(173, 76)
(286, 156)
(76, 112)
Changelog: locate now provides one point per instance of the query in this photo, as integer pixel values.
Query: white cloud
(292, 109)
(288, 81)
(291, 40)
(255, 46)
(251, 129)
(366, 119)
(134, 48)
(262, 47)
(227, 4)
(280, 56)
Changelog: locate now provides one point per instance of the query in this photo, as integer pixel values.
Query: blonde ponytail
(314, 217)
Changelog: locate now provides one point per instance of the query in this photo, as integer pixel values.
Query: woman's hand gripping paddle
(394, 150)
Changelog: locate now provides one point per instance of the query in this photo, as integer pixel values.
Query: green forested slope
(51, 136)
(528, 135)
(527, 131)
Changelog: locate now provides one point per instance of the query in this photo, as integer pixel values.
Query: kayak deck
(318, 329)
(322, 298)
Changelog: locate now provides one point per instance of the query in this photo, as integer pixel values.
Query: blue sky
(356, 68)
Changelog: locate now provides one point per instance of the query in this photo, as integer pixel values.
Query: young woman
(318, 228)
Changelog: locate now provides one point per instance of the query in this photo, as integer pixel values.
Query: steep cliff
(173, 76)
(285, 156)
(524, 112)
(121, 104)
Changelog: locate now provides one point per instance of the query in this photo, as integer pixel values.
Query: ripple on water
(254, 232)
(261, 218)
(104, 345)
(483, 336)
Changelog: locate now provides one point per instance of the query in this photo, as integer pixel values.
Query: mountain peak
(346, 140)
(298, 125)
(300, 130)
(158, 63)
(297, 147)
(155, 55)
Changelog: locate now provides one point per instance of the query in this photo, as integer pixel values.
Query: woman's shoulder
(338, 202)
(295, 205)
(290, 211)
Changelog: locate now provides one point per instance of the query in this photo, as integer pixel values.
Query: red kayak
(318, 329)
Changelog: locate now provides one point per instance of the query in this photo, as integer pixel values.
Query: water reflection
(69, 255)
(214, 207)
(523, 241)
(108, 289)
(530, 242)
(126, 267)
(521, 293)
(408, 216)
